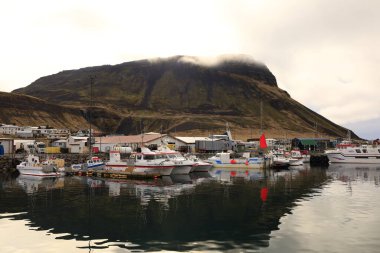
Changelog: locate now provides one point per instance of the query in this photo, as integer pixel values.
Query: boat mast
(261, 116)
(89, 114)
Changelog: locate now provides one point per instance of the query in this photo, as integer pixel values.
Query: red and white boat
(146, 161)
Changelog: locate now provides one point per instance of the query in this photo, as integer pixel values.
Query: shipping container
(52, 150)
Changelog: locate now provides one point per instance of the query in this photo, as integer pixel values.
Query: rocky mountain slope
(181, 95)
(26, 110)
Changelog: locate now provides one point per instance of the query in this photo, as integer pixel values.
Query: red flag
(263, 142)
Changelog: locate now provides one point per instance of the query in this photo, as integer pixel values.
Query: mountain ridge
(182, 95)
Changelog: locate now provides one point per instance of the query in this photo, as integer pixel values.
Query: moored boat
(224, 160)
(361, 155)
(150, 162)
(33, 167)
(199, 164)
(182, 164)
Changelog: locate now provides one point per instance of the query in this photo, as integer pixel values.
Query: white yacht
(182, 165)
(151, 162)
(363, 154)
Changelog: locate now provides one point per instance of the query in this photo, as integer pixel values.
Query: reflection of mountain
(355, 172)
(195, 214)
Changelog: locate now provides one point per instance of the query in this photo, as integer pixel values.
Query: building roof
(120, 139)
(191, 140)
(58, 141)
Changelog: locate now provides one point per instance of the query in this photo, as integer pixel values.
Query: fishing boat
(115, 163)
(362, 155)
(33, 167)
(95, 163)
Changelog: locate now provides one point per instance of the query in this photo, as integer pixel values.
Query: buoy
(233, 161)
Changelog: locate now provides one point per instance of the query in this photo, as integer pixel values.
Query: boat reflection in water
(355, 172)
(31, 184)
(225, 210)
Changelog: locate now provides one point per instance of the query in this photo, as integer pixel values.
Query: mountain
(26, 110)
(184, 95)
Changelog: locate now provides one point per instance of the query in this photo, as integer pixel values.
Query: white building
(77, 145)
(187, 144)
(25, 133)
(6, 146)
(59, 143)
(9, 129)
(107, 143)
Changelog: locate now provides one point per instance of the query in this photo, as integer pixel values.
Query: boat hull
(154, 170)
(202, 167)
(339, 158)
(36, 171)
(181, 170)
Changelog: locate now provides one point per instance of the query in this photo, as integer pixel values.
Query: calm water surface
(301, 210)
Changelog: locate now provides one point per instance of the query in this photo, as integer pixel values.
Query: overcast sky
(325, 53)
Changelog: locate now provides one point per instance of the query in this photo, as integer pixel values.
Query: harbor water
(303, 209)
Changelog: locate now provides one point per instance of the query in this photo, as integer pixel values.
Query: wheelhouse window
(149, 157)
(358, 151)
(364, 151)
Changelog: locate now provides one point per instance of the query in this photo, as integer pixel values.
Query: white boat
(150, 162)
(224, 160)
(182, 165)
(115, 163)
(33, 167)
(361, 155)
(278, 159)
(199, 164)
(95, 163)
(296, 158)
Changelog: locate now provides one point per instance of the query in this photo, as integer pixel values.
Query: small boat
(95, 163)
(33, 167)
(278, 159)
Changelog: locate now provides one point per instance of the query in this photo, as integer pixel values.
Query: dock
(114, 174)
